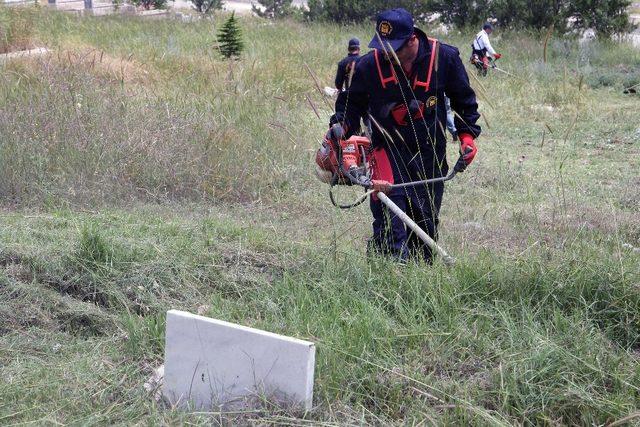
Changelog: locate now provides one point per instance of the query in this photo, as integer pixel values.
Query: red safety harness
(401, 111)
(393, 78)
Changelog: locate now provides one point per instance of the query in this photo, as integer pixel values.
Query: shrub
(461, 13)
(357, 11)
(206, 6)
(603, 79)
(16, 29)
(150, 4)
(631, 80)
(605, 16)
(530, 14)
(272, 9)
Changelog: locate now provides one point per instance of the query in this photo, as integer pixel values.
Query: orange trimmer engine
(339, 163)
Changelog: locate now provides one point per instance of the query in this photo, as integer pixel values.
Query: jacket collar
(424, 51)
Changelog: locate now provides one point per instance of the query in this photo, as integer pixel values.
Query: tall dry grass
(16, 29)
(126, 109)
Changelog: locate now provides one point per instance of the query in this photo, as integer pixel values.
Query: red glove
(468, 148)
(381, 185)
(497, 56)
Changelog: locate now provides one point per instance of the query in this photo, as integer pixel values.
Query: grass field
(140, 172)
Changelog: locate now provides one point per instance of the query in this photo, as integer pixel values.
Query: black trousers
(392, 237)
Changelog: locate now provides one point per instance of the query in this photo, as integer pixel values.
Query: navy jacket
(344, 68)
(417, 149)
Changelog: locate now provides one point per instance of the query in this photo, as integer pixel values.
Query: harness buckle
(401, 112)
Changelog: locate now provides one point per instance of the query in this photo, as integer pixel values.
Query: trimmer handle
(461, 165)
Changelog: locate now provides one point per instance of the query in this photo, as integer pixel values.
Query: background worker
(482, 49)
(403, 88)
(347, 64)
(451, 124)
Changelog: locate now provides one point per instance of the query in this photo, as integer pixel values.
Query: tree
(206, 6)
(348, 11)
(148, 4)
(230, 38)
(529, 13)
(272, 9)
(462, 13)
(605, 16)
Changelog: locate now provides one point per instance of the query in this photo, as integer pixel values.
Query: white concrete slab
(215, 365)
(23, 54)
(153, 14)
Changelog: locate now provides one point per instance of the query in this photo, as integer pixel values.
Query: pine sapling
(230, 38)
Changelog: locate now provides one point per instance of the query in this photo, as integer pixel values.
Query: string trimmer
(345, 162)
(477, 62)
(492, 64)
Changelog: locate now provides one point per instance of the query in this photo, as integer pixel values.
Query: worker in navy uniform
(402, 84)
(347, 64)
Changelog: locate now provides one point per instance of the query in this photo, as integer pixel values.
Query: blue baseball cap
(394, 27)
(354, 42)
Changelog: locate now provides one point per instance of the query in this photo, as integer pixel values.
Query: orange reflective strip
(384, 80)
(426, 84)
